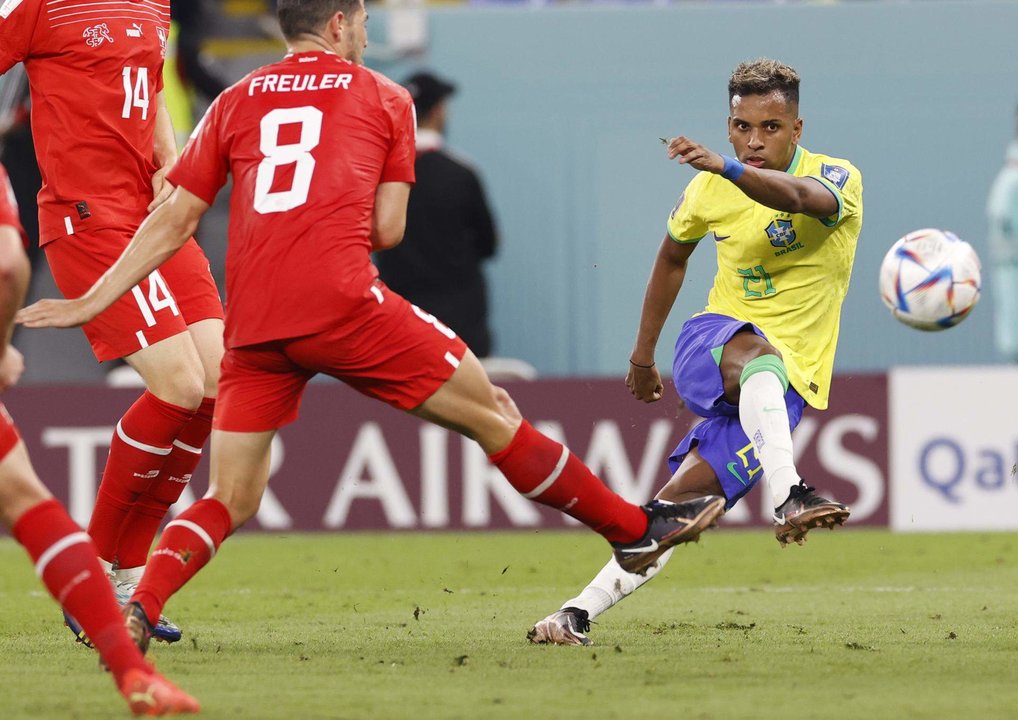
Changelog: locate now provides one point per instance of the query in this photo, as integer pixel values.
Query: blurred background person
(17, 153)
(1002, 212)
(450, 230)
(191, 80)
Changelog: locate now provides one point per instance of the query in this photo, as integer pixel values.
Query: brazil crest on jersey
(785, 273)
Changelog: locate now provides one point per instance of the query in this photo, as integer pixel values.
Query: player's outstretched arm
(159, 237)
(666, 278)
(778, 190)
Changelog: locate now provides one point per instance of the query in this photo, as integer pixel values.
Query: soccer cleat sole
(795, 529)
(690, 532)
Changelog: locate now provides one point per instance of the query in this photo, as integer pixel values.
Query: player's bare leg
(172, 369)
(239, 471)
(239, 474)
(173, 376)
(164, 490)
(125, 520)
(568, 626)
(20, 487)
(756, 380)
(207, 336)
(546, 472)
(65, 560)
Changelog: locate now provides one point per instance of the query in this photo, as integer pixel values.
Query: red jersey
(307, 140)
(94, 69)
(9, 206)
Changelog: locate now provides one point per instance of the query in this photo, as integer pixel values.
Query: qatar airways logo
(97, 35)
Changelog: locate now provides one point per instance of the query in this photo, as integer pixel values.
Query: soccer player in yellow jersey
(784, 222)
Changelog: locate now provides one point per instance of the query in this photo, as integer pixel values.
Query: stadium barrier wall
(350, 463)
(955, 448)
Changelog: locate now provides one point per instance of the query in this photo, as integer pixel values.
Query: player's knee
(182, 388)
(211, 384)
(507, 406)
(747, 353)
(243, 510)
(492, 422)
(241, 503)
(766, 363)
(18, 492)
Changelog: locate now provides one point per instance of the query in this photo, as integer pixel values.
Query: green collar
(795, 161)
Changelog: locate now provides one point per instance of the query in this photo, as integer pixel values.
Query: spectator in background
(17, 153)
(187, 72)
(450, 230)
(1002, 212)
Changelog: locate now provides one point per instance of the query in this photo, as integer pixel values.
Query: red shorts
(392, 351)
(178, 294)
(9, 436)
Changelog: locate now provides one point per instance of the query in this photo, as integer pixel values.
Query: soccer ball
(930, 279)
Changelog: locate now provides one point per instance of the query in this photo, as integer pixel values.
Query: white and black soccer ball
(930, 279)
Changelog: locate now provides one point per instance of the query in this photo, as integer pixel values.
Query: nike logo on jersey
(731, 468)
(719, 238)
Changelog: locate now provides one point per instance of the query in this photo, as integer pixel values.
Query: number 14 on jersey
(135, 91)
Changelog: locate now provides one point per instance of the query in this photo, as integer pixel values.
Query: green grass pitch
(856, 624)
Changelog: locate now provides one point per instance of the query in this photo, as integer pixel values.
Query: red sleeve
(9, 206)
(203, 166)
(18, 20)
(399, 163)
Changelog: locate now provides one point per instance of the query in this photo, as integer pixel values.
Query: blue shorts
(720, 440)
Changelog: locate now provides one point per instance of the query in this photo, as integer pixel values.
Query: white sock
(107, 568)
(612, 585)
(131, 576)
(764, 419)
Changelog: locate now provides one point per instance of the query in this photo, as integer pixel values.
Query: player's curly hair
(762, 77)
(297, 17)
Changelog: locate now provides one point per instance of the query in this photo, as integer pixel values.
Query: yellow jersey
(785, 273)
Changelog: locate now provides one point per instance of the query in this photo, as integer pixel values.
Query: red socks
(140, 446)
(186, 546)
(65, 560)
(143, 522)
(545, 471)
